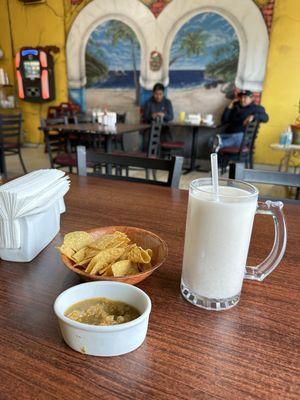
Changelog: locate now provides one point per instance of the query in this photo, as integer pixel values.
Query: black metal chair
(10, 140)
(58, 145)
(238, 171)
(118, 141)
(153, 147)
(244, 153)
(117, 163)
(84, 139)
(168, 146)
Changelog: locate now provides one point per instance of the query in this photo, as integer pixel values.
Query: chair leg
(154, 174)
(3, 165)
(147, 173)
(251, 160)
(21, 161)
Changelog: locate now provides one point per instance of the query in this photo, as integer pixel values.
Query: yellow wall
(37, 25)
(282, 85)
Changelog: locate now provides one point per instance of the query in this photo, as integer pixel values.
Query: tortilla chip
(79, 255)
(116, 239)
(67, 251)
(120, 268)
(77, 240)
(108, 271)
(103, 259)
(133, 270)
(139, 255)
(127, 249)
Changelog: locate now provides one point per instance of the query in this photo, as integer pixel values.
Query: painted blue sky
(116, 58)
(219, 33)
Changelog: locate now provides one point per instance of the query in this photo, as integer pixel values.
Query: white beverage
(217, 241)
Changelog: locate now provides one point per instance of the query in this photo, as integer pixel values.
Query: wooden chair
(238, 171)
(58, 145)
(172, 166)
(244, 153)
(10, 140)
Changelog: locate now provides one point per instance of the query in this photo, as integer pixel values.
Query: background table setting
(249, 351)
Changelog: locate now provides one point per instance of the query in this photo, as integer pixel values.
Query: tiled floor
(36, 158)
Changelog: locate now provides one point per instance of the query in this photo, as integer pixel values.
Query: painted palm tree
(119, 32)
(96, 70)
(191, 44)
(225, 63)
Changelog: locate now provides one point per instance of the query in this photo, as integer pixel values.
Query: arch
(93, 15)
(158, 34)
(248, 23)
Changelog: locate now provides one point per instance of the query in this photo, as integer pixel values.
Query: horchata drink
(217, 239)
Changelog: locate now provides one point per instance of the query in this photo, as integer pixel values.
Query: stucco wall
(281, 92)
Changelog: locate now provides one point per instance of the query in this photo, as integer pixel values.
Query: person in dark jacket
(237, 115)
(158, 106)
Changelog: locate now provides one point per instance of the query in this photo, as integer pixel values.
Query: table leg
(108, 150)
(193, 151)
(285, 162)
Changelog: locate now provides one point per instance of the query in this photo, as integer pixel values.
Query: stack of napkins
(30, 209)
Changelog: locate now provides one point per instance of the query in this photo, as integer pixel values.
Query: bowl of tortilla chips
(114, 253)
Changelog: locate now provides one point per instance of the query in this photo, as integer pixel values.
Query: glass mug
(217, 239)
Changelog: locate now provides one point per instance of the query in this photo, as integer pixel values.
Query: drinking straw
(214, 175)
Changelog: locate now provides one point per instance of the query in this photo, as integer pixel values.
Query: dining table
(195, 130)
(289, 150)
(250, 351)
(93, 128)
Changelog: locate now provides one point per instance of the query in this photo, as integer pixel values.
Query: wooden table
(290, 151)
(195, 130)
(108, 132)
(248, 352)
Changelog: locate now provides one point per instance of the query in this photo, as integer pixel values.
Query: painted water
(180, 79)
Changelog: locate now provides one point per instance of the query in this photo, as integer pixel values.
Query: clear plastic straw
(214, 175)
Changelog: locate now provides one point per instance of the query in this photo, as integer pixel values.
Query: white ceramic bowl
(106, 341)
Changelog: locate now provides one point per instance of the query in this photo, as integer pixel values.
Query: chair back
(249, 136)
(121, 118)
(82, 118)
(46, 122)
(10, 129)
(118, 163)
(154, 139)
(55, 142)
(238, 171)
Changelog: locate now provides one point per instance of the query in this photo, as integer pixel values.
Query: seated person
(237, 115)
(158, 106)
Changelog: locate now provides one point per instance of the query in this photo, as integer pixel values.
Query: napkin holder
(194, 119)
(36, 232)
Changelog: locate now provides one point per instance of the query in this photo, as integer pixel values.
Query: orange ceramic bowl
(141, 237)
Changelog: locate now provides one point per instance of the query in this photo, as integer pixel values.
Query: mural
(203, 64)
(112, 64)
(156, 6)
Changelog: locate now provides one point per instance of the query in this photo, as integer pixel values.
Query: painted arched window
(112, 66)
(203, 64)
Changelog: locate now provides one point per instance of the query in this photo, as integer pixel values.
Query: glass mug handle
(259, 272)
